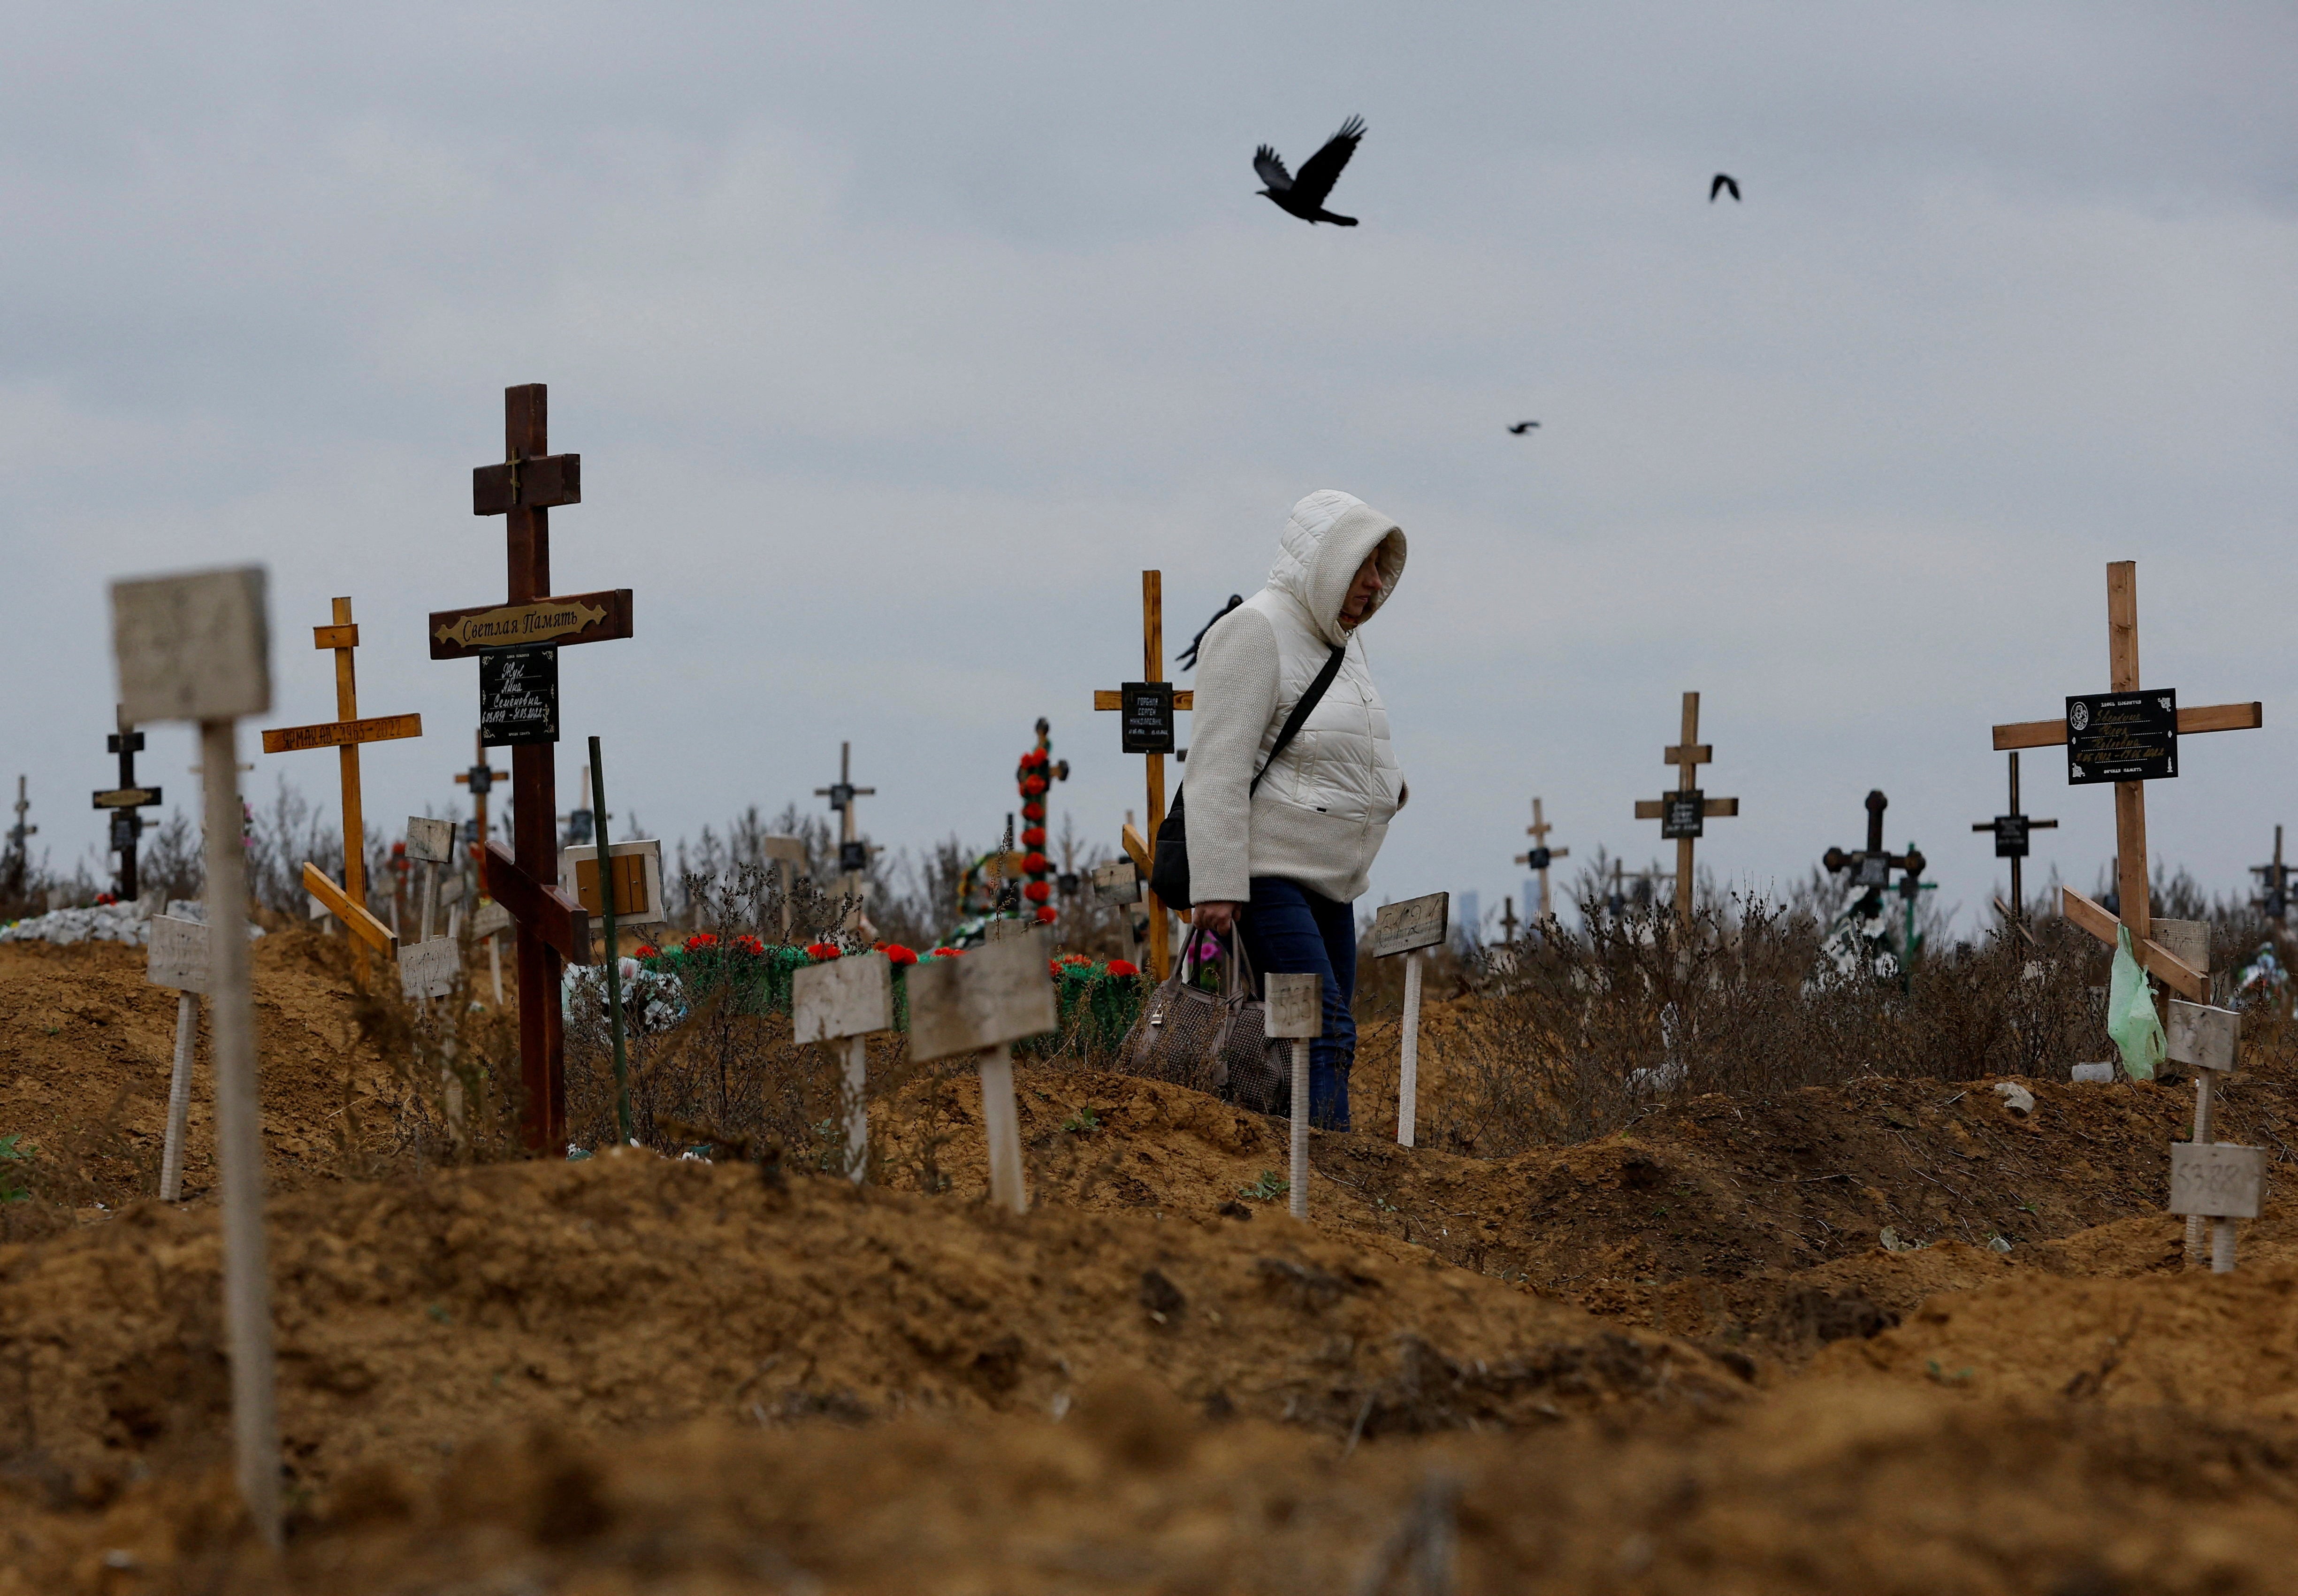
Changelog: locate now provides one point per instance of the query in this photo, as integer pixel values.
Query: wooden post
(518, 641)
(846, 998)
(1295, 1011)
(1683, 815)
(196, 648)
(1406, 928)
(1154, 745)
(1539, 856)
(614, 954)
(983, 1003)
(2131, 749)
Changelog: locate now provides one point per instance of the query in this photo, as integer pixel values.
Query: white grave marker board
(2201, 1035)
(1296, 1011)
(1416, 922)
(177, 956)
(430, 842)
(192, 648)
(1119, 881)
(847, 996)
(2217, 1179)
(489, 919)
(428, 969)
(994, 994)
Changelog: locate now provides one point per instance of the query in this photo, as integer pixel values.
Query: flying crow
(1522, 427)
(1304, 196)
(1723, 180)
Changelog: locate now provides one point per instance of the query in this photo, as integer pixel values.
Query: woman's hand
(1218, 918)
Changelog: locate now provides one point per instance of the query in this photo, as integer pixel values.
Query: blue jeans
(1291, 931)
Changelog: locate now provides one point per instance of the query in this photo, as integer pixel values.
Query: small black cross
(1872, 866)
(2011, 843)
(125, 801)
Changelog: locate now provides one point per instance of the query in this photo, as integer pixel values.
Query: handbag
(1213, 1042)
(1168, 866)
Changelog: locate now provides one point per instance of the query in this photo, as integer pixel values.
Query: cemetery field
(1675, 1356)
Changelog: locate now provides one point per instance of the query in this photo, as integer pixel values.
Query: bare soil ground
(1674, 1360)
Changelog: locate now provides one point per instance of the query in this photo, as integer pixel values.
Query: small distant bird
(1304, 196)
(1522, 427)
(1723, 180)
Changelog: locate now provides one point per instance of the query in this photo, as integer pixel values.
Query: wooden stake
(984, 1003)
(847, 998)
(1406, 928)
(180, 1097)
(1295, 1011)
(196, 648)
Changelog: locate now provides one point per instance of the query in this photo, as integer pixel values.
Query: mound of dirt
(629, 1291)
(1825, 1489)
(86, 1045)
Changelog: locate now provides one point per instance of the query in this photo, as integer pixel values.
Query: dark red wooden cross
(553, 928)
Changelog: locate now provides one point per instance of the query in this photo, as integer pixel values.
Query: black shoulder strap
(1308, 702)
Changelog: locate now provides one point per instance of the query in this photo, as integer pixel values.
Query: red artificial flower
(1046, 916)
(649, 952)
(1034, 786)
(1036, 892)
(822, 951)
(1034, 759)
(1123, 967)
(897, 954)
(1034, 864)
(1072, 958)
(702, 942)
(399, 850)
(751, 946)
(1035, 836)
(946, 953)
(1033, 810)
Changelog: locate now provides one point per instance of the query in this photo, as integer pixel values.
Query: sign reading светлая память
(518, 697)
(2122, 736)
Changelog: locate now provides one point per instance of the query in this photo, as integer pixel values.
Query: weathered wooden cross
(2128, 737)
(344, 734)
(1872, 866)
(853, 852)
(517, 644)
(124, 801)
(2011, 843)
(1682, 813)
(480, 779)
(1540, 856)
(2274, 877)
(1146, 708)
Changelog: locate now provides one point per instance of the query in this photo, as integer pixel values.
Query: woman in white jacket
(1283, 863)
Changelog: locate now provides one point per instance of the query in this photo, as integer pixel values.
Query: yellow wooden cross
(1681, 814)
(348, 901)
(1152, 671)
(2131, 860)
(1540, 853)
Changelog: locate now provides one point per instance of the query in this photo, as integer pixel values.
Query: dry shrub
(1583, 1031)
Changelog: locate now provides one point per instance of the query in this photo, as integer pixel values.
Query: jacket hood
(1326, 538)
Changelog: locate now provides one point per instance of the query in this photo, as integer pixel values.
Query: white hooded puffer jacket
(1324, 807)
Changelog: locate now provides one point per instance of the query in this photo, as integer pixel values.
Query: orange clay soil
(1674, 1360)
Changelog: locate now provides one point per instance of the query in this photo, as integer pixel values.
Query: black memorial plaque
(125, 830)
(1873, 869)
(1682, 814)
(1539, 858)
(853, 859)
(2122, 737)
(1147, 716)
(2010, 835)
(841, 797)
(518, 697)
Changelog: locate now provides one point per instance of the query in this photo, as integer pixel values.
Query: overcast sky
(897, 340)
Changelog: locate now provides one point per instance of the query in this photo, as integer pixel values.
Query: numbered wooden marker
(2204, 1039)
(991, 998)
(198, 648)
(1119, 881)
(428, 969)
(489, 919)
(1406, 928)
(2222, 1183)
(178, 957)
(1296, 1012)
(846, 1000)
